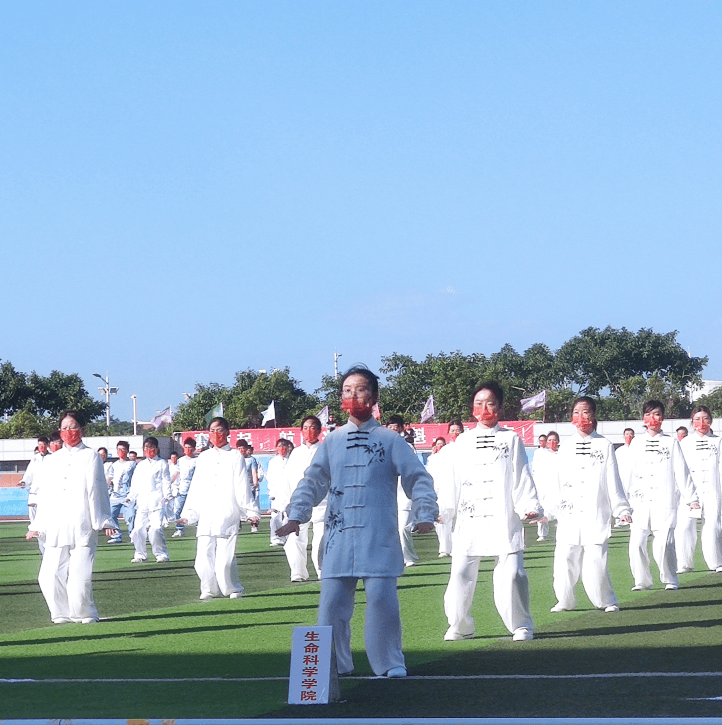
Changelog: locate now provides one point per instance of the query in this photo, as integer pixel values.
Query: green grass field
(156, 629)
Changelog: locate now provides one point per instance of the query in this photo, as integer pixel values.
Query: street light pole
(107, 391)
(135, 416)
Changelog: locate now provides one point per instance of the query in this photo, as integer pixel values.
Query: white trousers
(382, 627)
(685, 541)
(32, 512)
(511, 592)
(149, 524)
(296, 548)
(216, 565)
(443, 532)
(588, 562)
(406, 524)
(542, 529)
(663, 551)
(66, 580)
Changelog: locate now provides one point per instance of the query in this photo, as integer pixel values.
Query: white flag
(164, 417)
(269, 413)
(534, 403)
(429, 411)
(323, 416)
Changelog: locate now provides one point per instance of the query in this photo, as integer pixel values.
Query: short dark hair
(311, 418)
(455, 422)
(589, 401)
(55, 436)
(542, 435)
(190, 442)
(552, 433)
(103, 448)
(125, 445)
(77, 417)
(630, 430)
(241, 443)
(440, 438)
(44, 439)
(682, 427)
(151, 441)
(697, 409)
(284, 442)
(651, 405)
(493, 387)
(361, 369)
(395, 420)
(222, 421)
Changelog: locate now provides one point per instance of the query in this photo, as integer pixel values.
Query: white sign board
(314, 679)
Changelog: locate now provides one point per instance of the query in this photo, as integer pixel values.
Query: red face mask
(583, 425)
(359, 409)
(218, 438)
(652, 422)
(71, 438)
(701, 426)
(310, 435)
(485, 415)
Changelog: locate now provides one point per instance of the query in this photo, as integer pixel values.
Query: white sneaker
(138, 559)
(612, 608)
(298, 579)
(407, 564)
(444, 555)
(522, 635)
(541, 538)
(456, 637)
(62, 620)
(719, 569)
(162, 559)
(396, 672)
(206, 597)
(558, 608)
(178, 533)
(671, 587)
(235, 595)
(640, 588)
(89, 620)
(685, 570)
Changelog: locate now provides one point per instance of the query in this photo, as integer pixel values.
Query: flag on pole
(323, 416)
(165, 417)
(215, 412)
(429, 410)
(269, 413)
(534, 403)
(376, 411)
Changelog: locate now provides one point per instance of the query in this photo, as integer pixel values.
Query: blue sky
(191, 189)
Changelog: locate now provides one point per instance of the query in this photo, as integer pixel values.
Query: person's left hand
(291, 527)
(111, 532)
(626, 519)
(254, 519)
(531, 516)
(694, 506)
(423, 527)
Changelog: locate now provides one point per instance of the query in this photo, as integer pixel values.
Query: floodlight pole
(107, 391)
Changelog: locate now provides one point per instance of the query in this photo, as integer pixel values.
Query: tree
(245, 401)
(13, 389)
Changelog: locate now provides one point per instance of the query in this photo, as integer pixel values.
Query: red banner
(264, 440)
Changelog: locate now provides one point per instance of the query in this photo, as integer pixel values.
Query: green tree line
(618, 367)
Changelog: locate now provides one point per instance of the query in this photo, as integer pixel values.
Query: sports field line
(600, 676)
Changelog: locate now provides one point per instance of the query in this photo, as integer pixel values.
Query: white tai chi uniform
(702, 455)
(148, 490)
(31, 480)
(544, 473)
(296, 547)
(588, 493)
(658, 475)
(218, 499)
(444, 527)
(624, 461)
(277, 488)
(491, 489)
(73, 506)
(358, 468)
